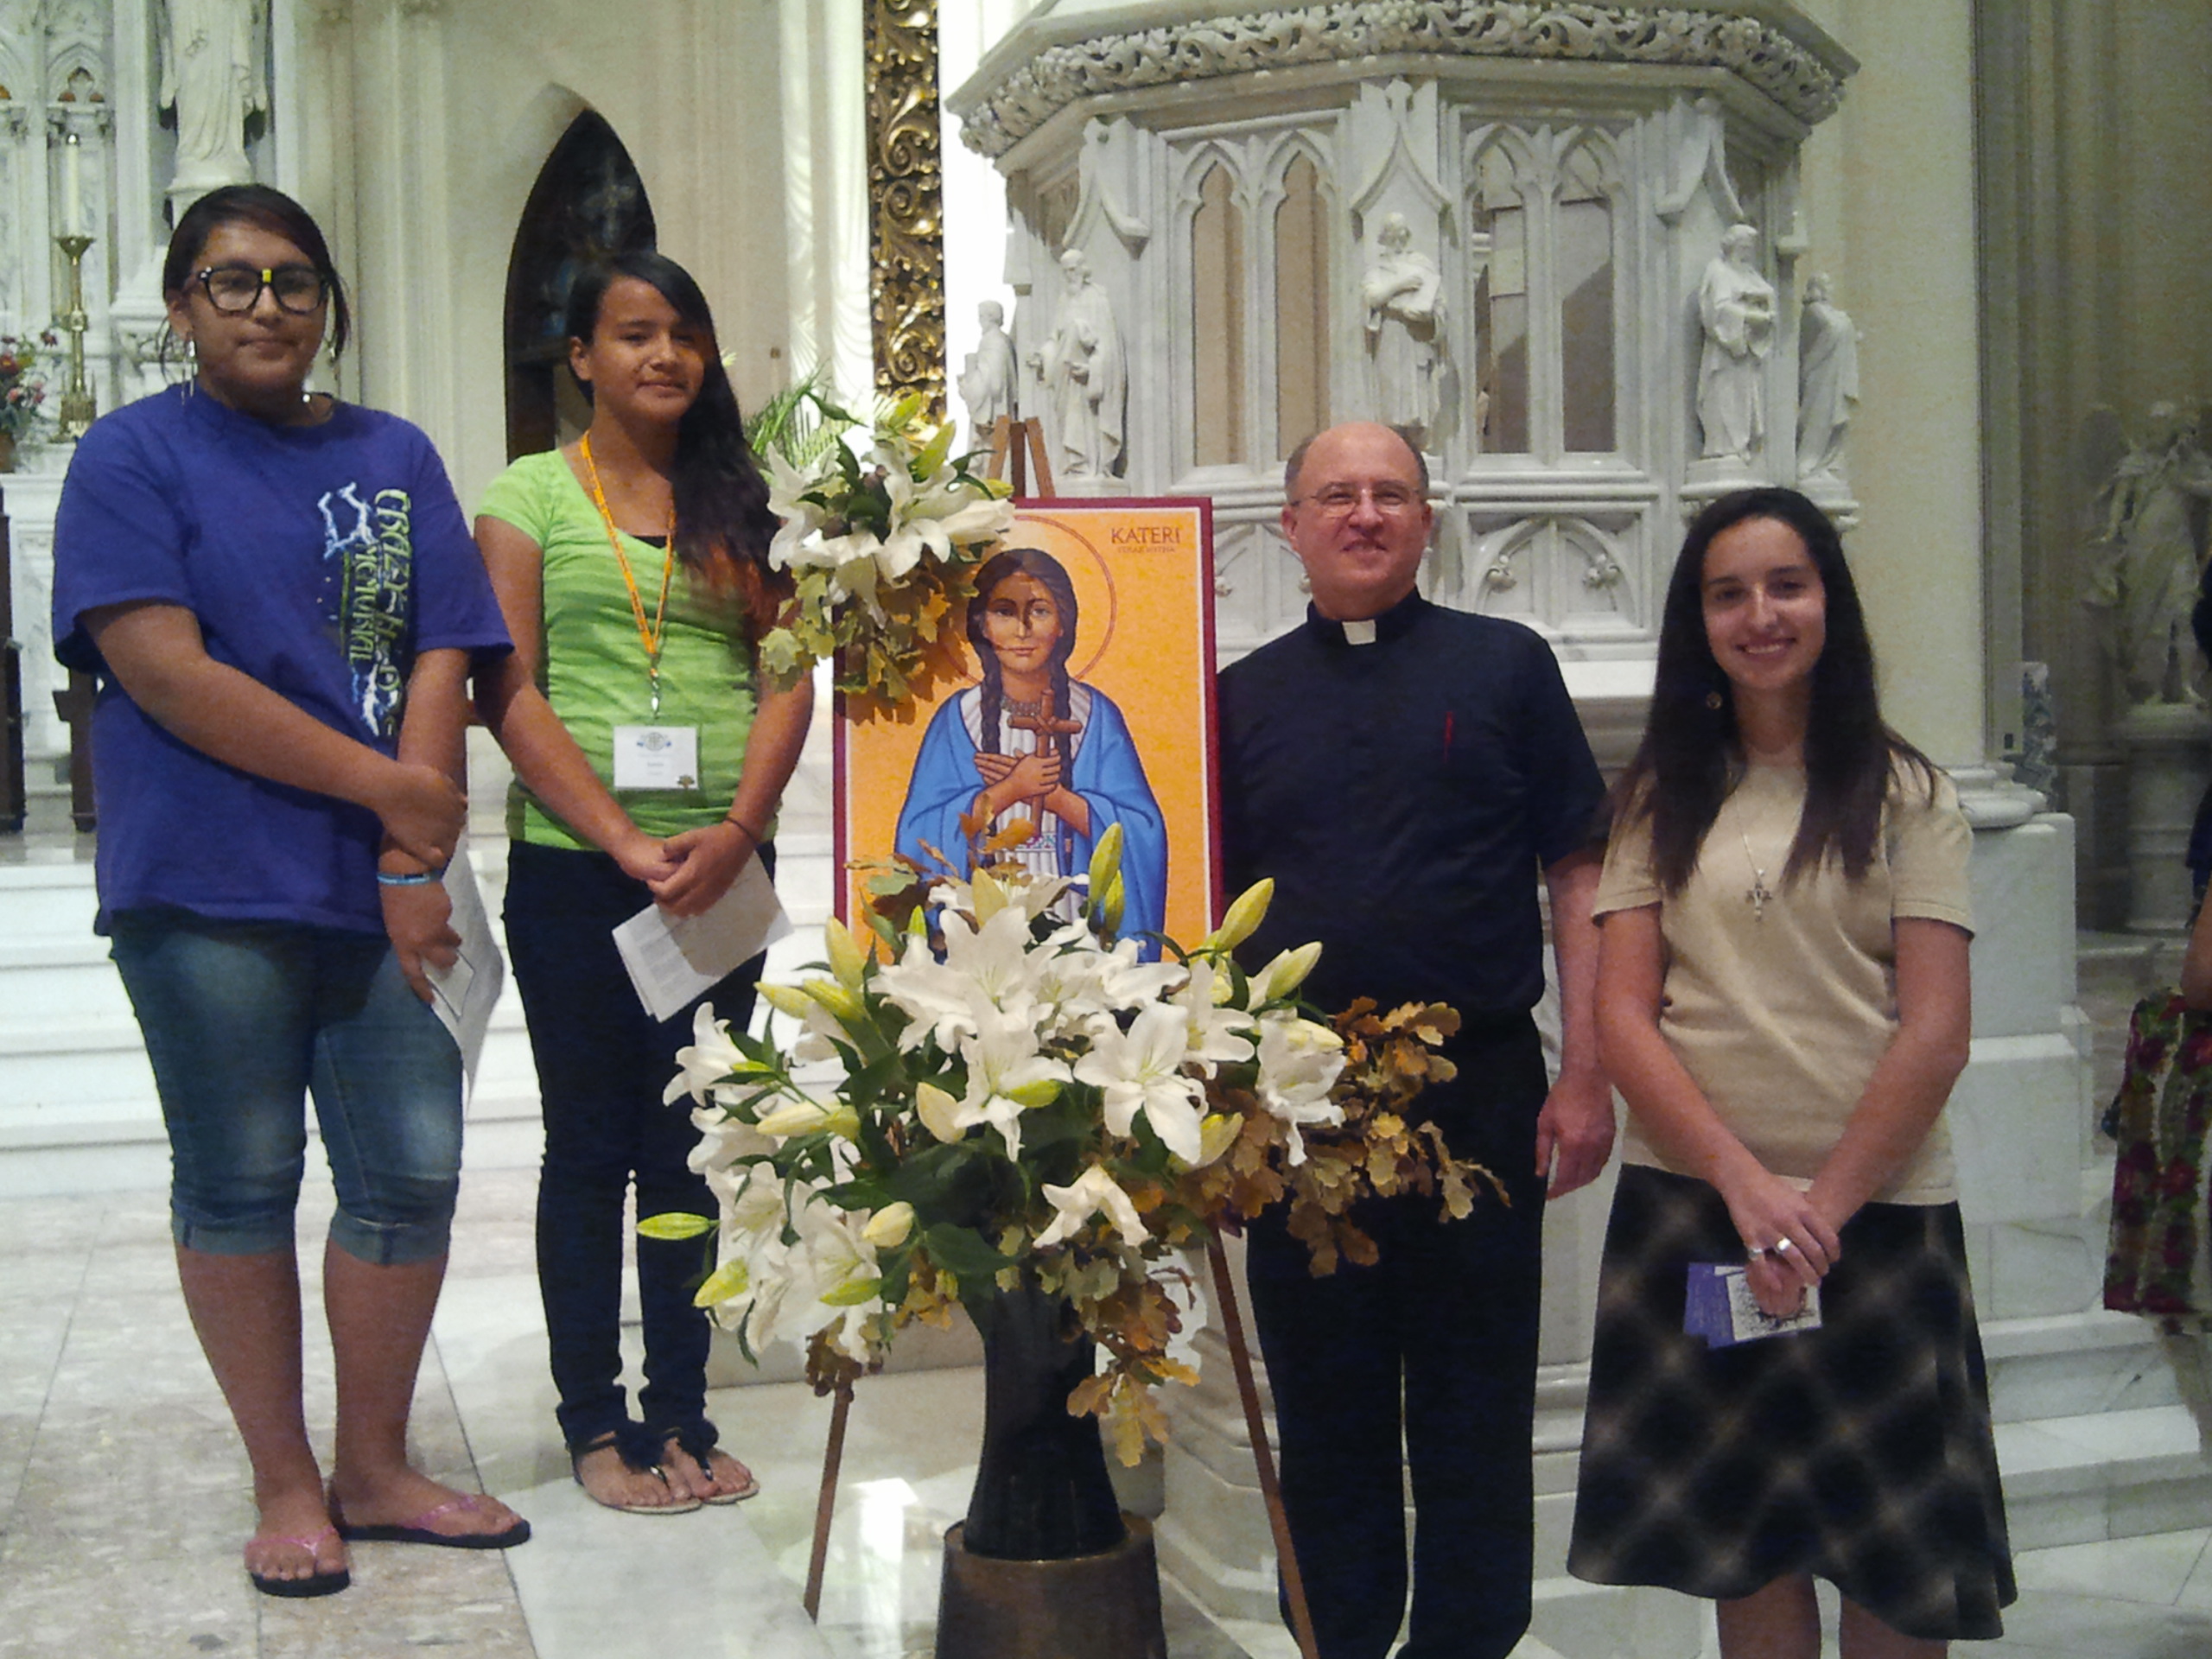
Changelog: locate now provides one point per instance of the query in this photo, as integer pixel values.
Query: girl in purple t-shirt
(282, 604)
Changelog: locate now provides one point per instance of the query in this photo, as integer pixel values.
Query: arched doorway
(588, 203)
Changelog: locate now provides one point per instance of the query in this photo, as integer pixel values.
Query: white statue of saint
(2153, 555)
(1736, 306)
(213, 54)
(1086, 380)
(1828, 382)
(1402, 294)
(989, 377)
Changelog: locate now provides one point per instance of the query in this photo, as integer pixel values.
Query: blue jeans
(242, 1020)
(602, 1064)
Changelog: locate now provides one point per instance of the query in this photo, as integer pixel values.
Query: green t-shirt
(592, 664)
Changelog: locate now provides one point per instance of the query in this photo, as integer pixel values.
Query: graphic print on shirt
(369, 582)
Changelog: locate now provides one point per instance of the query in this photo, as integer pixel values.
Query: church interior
(1975, 241)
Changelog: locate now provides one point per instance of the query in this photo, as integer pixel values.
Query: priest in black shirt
(1407, 773)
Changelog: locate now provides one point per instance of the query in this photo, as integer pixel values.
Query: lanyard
(653, 636)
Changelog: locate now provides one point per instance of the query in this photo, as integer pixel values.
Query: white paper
(673, 961)
(463, 996)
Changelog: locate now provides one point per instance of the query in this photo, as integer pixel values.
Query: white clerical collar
(1359, 633)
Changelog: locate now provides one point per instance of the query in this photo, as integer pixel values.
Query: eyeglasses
(236, 289)
(1337, 500)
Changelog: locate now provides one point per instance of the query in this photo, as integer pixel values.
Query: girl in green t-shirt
(649, 758)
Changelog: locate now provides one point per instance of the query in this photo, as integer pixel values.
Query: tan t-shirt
(1780, 1011)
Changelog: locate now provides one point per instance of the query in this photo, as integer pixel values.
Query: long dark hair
(723, 525)
(1049, 572)
(265, 209)
(1692, 753)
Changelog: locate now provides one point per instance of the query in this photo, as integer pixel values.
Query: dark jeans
(602, 1064)
(1446, 1320)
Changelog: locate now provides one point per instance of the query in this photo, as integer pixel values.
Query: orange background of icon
(1143, 578)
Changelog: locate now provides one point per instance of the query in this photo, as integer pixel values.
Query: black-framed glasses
(236, 289)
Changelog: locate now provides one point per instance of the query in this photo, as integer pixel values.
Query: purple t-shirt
(319, 560)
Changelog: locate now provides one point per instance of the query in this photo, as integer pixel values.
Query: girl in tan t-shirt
(1782, 1002)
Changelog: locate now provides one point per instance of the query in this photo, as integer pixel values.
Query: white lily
(1092, 1191)
(799, 541)
(1299, 1062)
(984, 968)
(709, 1058)
(1141, 1070)
(1217, 1033)
(1007, 1075)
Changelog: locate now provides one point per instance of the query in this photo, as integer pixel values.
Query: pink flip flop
(420, 1530)
(315, 1584)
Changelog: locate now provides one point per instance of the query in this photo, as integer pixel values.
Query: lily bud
(1043, 1092)
(1106, 860)
(847, 960)
(786, 999)
(1286, 973)
(845, 1004)
(937, 1109)
(1109, 909)
(800, 1117)
(1247, 913)
(888, 1227)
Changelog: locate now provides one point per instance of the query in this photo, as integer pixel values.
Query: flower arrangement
(23, 383)
(883, 530)
(1020, 1101)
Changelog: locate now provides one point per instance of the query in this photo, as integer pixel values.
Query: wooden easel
(1021, 443)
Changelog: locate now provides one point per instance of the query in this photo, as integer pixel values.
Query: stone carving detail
(1735, 304)
(214, 54)
(1085, 376)
(990, 377)
(1828, 383)
(1402, 300)
(1757, 52)
(2151, 553)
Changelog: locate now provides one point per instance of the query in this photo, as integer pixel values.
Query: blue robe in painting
(1107, 773)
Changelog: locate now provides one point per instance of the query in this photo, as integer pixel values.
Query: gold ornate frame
(905, 201)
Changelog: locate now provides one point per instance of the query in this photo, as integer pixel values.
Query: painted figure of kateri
(1030, 742)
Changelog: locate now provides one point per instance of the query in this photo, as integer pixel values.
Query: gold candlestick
(79, 407)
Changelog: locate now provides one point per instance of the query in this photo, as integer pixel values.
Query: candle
(73, 186)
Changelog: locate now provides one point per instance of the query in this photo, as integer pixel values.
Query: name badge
(655, 757)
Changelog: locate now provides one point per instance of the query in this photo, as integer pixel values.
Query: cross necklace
(1758, 892)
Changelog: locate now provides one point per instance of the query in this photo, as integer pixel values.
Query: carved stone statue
(989, 377)
(2152, 553)
(1828, 382)
(1736, 306)
(213, 74)
(1085, 376)
(1402, 294)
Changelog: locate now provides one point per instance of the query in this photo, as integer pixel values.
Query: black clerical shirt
(1406, 795)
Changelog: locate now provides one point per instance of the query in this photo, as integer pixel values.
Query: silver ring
(1755, 1251)
(1782, 1247)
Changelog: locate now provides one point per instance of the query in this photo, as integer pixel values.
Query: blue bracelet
(421, 878)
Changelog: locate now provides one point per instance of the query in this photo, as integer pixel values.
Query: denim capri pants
(242, 1020)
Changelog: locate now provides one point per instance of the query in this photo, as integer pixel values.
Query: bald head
(1357, 515)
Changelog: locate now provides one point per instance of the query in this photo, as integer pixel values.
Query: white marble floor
(124, 1498)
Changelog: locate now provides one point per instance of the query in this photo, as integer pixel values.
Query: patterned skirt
(1859, 1452)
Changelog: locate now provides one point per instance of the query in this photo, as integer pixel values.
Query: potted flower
(22, 390)
(1019, 1117)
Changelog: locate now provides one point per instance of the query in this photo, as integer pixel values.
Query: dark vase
(1042, 1493)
